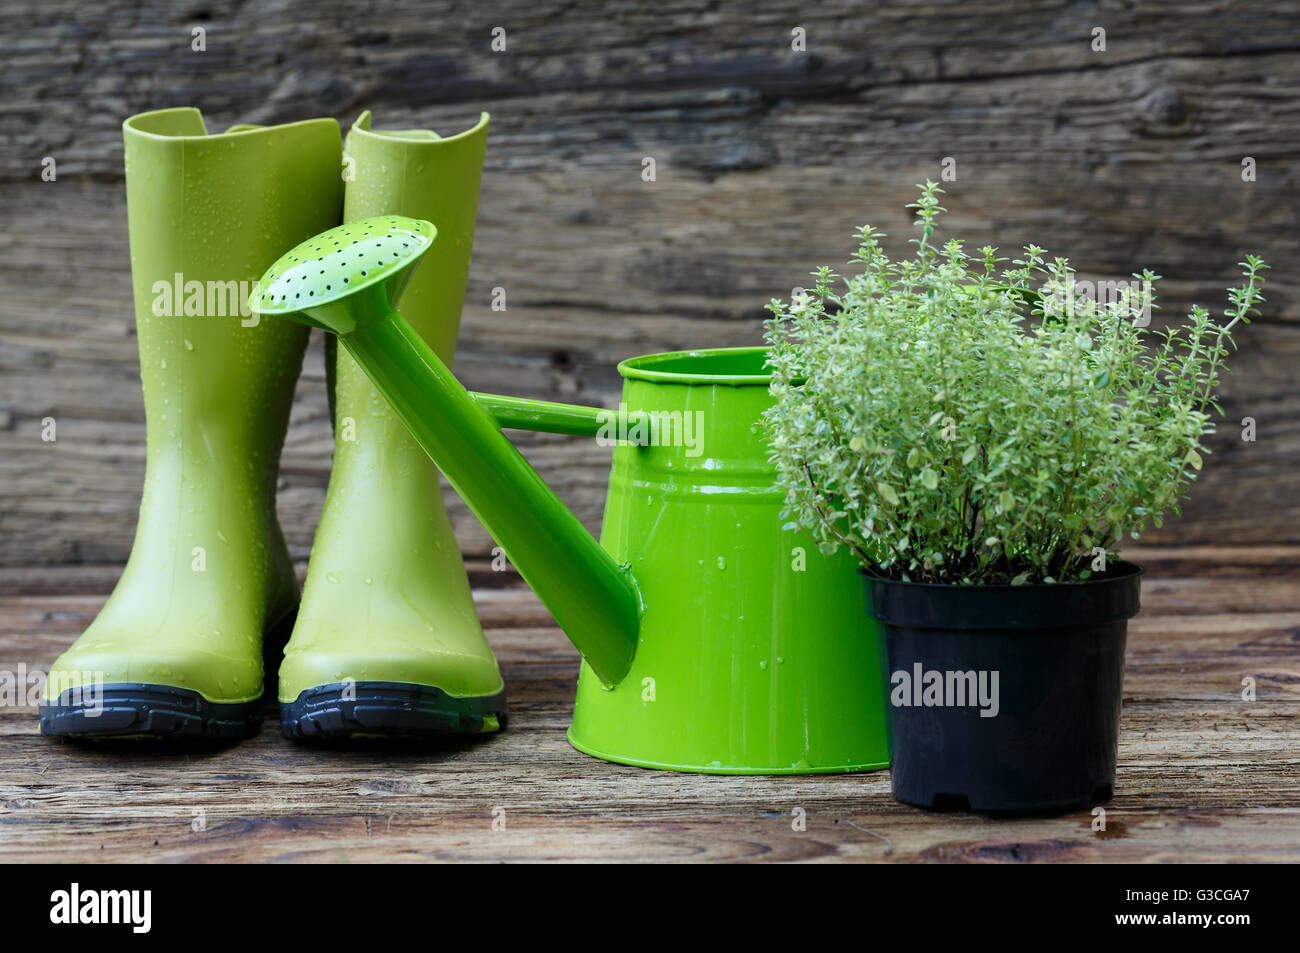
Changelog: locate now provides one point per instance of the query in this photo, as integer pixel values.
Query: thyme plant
(950, 421)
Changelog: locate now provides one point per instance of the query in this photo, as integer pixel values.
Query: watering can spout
(593, 599)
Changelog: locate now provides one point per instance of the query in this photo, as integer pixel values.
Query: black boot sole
(126, 710)
(388, 710)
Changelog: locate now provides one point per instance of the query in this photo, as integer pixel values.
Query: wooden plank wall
(766, 160)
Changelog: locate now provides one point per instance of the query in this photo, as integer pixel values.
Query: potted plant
(983, 438)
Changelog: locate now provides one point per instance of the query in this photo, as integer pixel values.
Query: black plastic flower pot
(1005, 699)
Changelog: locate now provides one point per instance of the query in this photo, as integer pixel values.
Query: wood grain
(1203, 775)
(766, 160)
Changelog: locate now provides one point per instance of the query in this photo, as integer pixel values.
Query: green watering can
(713, 640)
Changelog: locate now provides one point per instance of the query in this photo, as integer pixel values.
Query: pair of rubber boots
(386, 641)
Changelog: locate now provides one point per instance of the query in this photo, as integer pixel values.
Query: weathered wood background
(766, 160)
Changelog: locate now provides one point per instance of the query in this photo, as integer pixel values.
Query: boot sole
(150, 711)
(388, 710)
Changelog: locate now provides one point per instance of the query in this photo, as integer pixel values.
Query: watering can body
(754, 654)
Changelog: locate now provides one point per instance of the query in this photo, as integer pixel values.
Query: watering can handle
(520, 413)
(592, 598)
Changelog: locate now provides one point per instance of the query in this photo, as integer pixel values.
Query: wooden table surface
(1203, 774)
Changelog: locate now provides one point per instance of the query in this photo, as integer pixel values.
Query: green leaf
(1006, 500)
(1020, 579)
(887, 493)
(929, 479)
(969, 455)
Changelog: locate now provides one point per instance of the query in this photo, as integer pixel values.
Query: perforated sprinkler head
(341, 278)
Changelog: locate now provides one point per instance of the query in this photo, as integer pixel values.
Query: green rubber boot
(387, 642)
(177, 649)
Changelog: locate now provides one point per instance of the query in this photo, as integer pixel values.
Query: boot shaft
(206, 215)
(415, 172)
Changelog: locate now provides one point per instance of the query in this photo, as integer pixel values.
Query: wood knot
(1162, 105)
